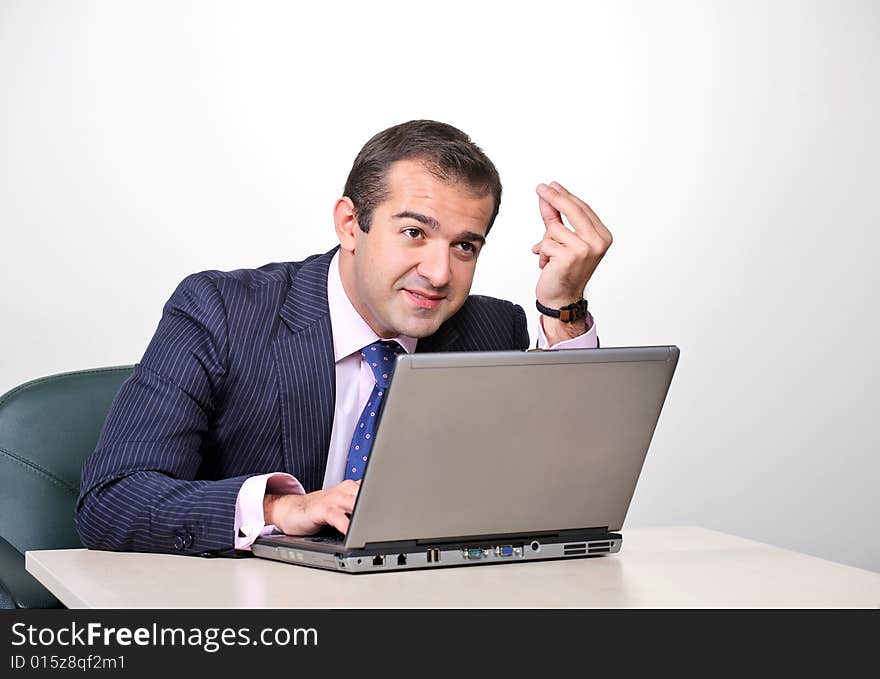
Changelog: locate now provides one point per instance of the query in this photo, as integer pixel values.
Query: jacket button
(187, 540)
(179, 542)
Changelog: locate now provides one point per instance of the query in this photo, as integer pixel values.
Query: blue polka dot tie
(380, 357)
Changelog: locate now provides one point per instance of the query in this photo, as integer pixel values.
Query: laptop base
(439, 556)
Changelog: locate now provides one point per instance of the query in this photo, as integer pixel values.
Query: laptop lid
(510, 443)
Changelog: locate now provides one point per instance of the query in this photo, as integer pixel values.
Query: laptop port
(472, 553)
(379, 560)
(504, 550)
(401, 559)
(433, 555)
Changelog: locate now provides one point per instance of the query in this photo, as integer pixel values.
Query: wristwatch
(570, 312)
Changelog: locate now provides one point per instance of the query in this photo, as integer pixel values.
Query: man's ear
(345, 219)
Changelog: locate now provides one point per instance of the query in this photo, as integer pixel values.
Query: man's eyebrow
(435, 225)
(419, 217)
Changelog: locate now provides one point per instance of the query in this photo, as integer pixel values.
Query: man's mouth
(424, 300)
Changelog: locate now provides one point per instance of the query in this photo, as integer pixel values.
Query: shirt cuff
(250, 522)
(589, 340)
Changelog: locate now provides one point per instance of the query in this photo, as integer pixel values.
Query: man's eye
(412, 232)
(467, 247)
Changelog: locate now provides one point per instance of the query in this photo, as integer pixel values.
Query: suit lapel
(306, 373)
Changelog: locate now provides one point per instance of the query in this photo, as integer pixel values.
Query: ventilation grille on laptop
(581, 548)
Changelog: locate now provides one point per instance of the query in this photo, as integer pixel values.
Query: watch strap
(570, 312)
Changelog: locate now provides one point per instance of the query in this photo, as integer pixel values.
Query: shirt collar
(350, 331)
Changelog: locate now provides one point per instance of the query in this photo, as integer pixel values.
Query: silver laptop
(498, 457)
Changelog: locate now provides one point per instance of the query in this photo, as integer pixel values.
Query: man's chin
(422, 327)
(420, 330)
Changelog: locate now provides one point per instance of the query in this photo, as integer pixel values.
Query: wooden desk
(680, 567)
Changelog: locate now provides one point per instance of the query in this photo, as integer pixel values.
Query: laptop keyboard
(337, 539)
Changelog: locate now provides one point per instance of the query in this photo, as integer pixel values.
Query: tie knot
(380, 357)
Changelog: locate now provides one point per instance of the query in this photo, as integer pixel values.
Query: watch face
(573, 311)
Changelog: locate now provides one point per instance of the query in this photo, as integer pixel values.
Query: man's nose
(434, 265)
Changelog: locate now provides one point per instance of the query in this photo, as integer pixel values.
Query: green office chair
(47, 429)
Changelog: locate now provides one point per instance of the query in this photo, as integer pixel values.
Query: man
(249, 411)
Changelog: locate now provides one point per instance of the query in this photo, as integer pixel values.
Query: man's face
(414, 268)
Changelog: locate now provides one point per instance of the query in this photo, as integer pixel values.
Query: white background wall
(731, 148)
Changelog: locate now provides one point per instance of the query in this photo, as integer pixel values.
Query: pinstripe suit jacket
(238, 380)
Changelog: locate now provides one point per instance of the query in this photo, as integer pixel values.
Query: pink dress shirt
(354, 383)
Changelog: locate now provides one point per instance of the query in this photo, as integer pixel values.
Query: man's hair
(446, 152)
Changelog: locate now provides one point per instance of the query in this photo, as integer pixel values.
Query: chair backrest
(47, 429)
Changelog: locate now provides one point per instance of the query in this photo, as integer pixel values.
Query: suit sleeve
(139, 490)
(520, 328)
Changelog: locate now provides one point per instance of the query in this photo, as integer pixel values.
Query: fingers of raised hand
(565, 236)
(548, 248)
(585, 222)
(559, 241)
(601, 229)
(574, 245)
(549, 214)
(542, 259)
(562, 201)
